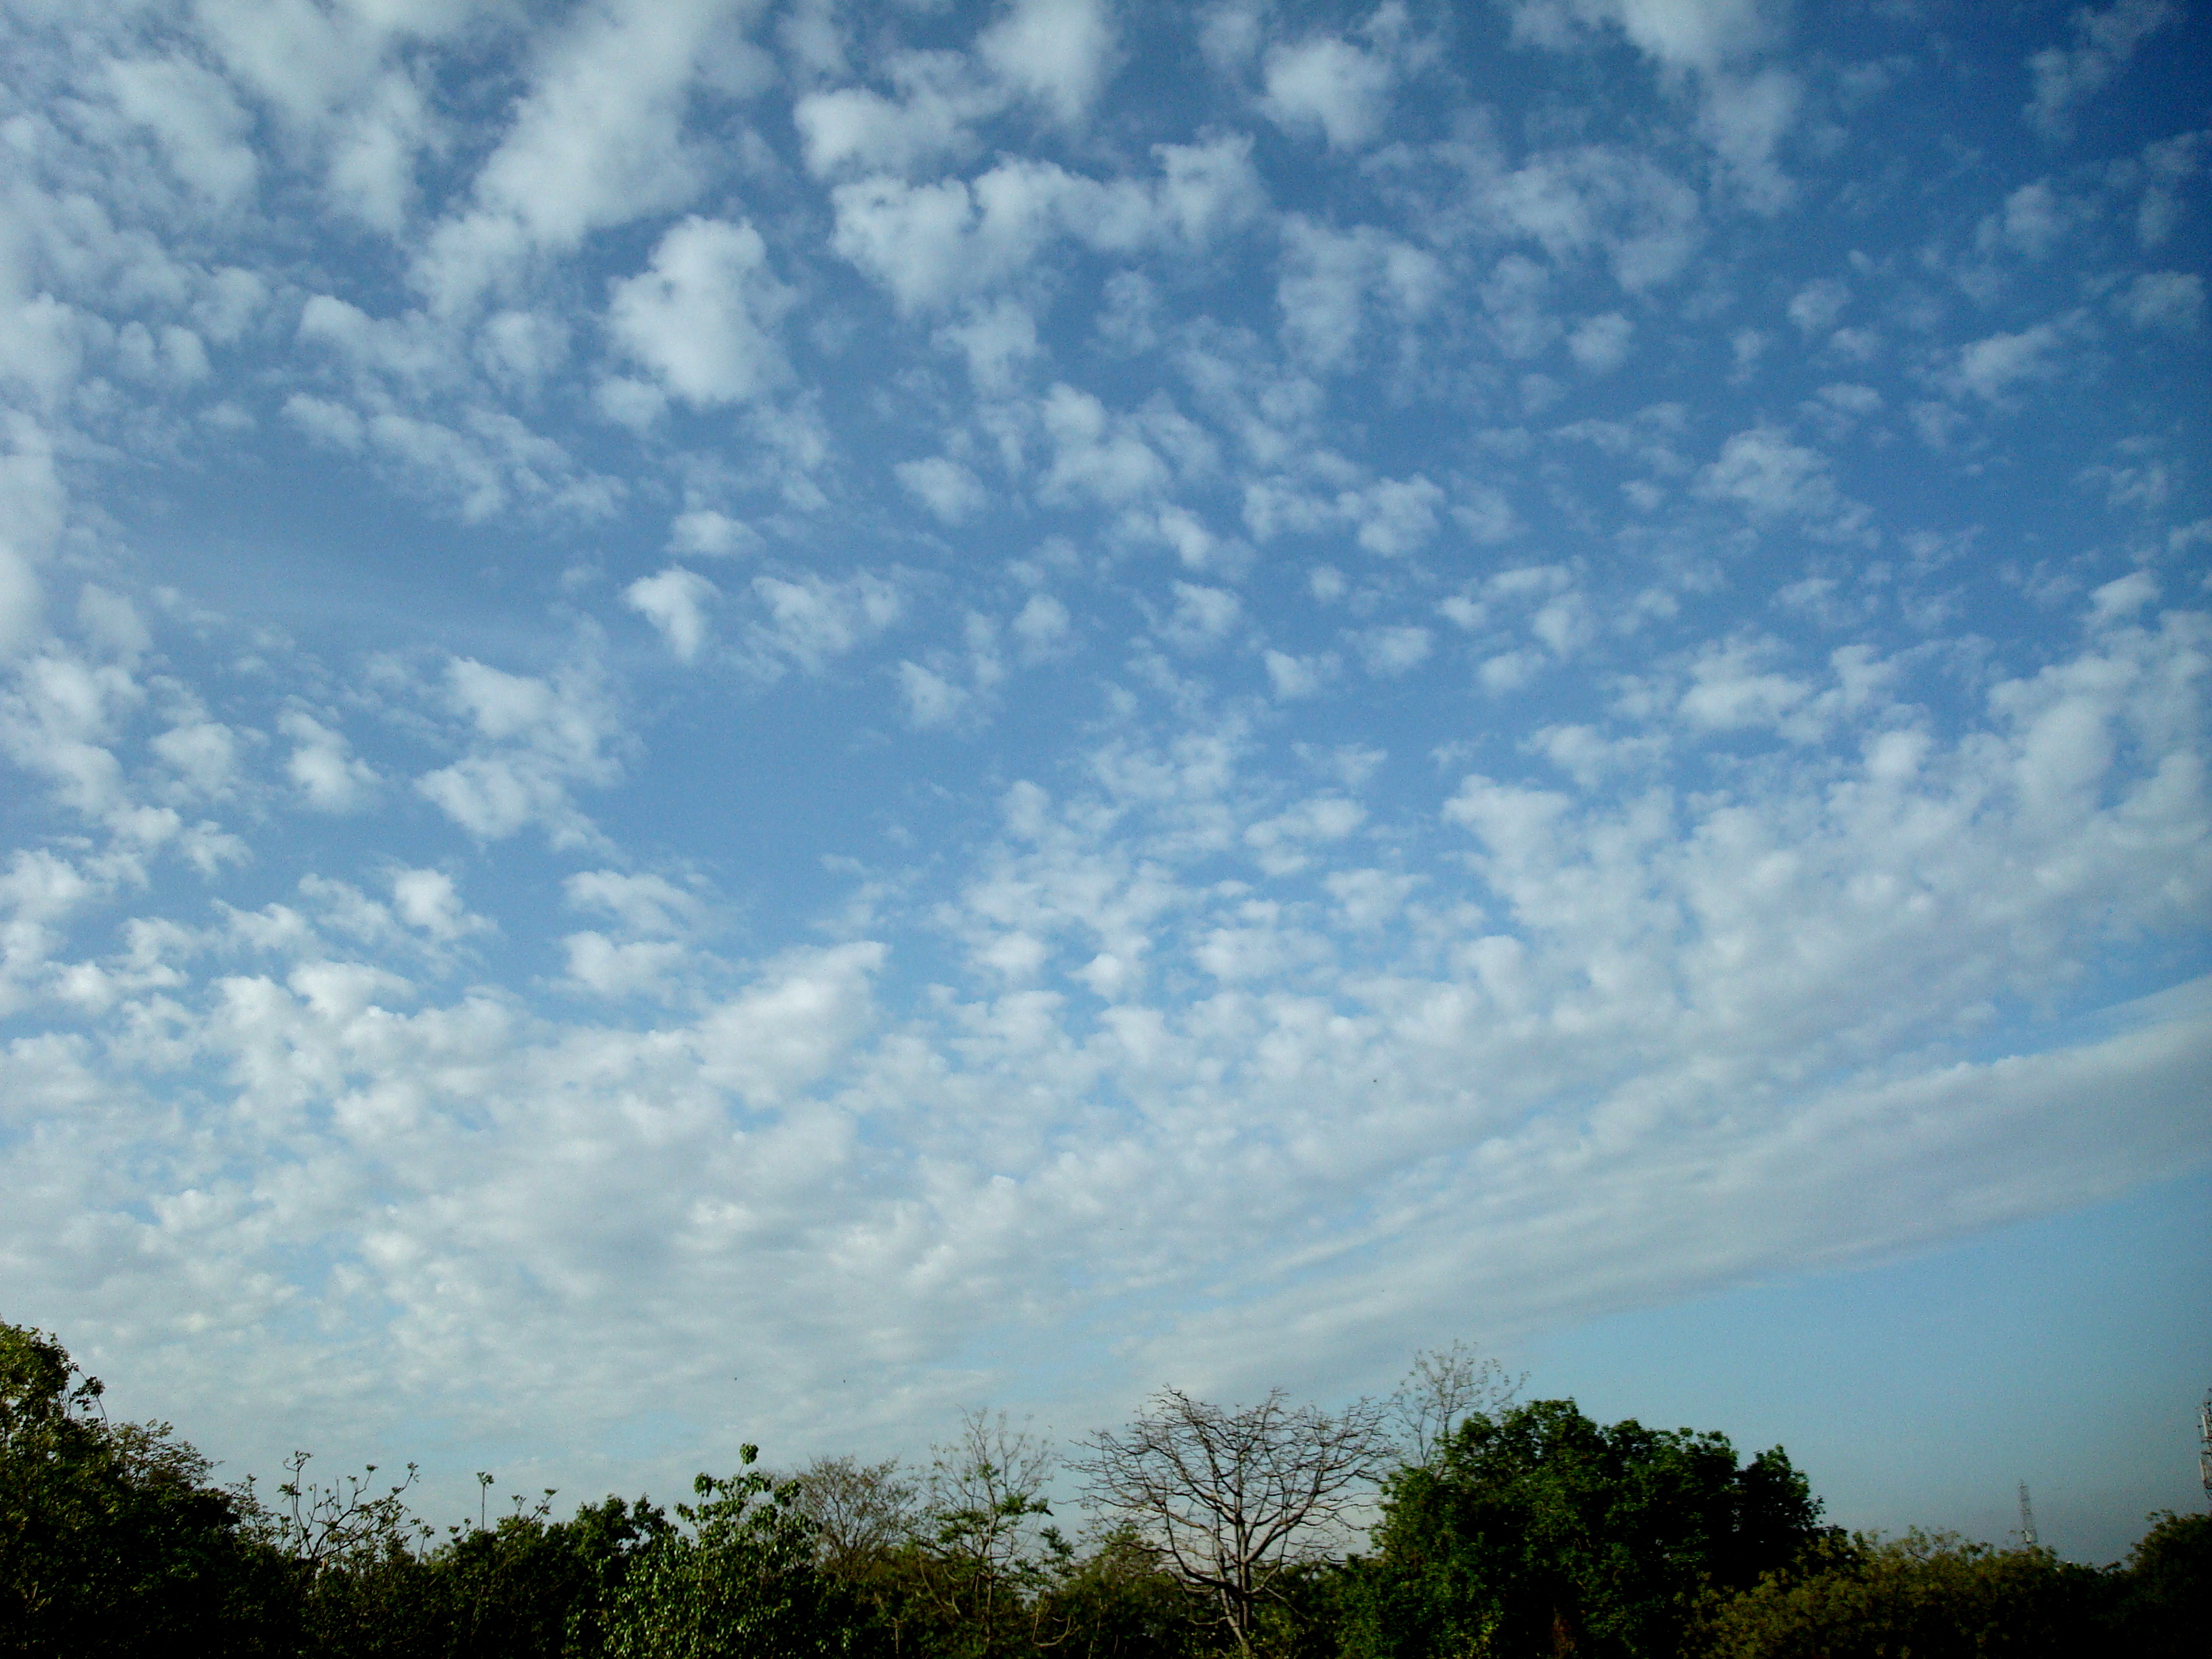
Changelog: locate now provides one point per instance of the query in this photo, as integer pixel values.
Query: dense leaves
(743, 1579)
(1505, 1533)
(1539, 1531)
(110, 1539)
(1915, 1597)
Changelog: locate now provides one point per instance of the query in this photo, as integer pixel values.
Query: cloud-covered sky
(743, 720)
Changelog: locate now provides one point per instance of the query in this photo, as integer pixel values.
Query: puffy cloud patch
(1330, 85)
(530, 741)
(2172, 300)
(676, 603)
(2105, 42)
(1995, 367)
(701, 319)
(811, 621)
(932, 243)
(1059, 53)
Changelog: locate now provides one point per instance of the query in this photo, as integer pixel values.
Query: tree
(1929, 1596)
(861, 1512)
(744, 1580)
(1539, 1531)
(2164, 1594)
(112, 1539)
(1236, 1497)
(987, 1546)
(1119, 1601)
(1442, 1388)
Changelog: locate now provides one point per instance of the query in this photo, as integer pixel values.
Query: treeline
(1497, 1529)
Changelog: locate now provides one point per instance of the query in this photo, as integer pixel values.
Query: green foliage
(1537, 1530)
(1119, 1601)
(526, 1586)
(1514, 1532)
(972, 1554)
(1922, 1596)
(2163, 1606)
(112, 1540)
(743, 1580)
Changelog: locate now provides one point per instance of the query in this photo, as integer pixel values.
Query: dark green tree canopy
(1506, 1533)
(1537, 1530)
(112, 1539)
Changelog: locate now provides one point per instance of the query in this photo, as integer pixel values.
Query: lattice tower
(2204, 1446)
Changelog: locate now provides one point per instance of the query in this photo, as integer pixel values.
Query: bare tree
(1235, 1496)
(1443, 1387)
(861, 1511)
(984, 1518)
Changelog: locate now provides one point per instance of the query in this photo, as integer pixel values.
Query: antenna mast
(2028, 1537)
(2204, 1446)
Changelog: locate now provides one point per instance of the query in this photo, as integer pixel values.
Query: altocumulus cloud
(703, 705)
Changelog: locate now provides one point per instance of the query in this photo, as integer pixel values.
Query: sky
(737, 721)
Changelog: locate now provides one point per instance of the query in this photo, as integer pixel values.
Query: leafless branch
(1233, 1496)
(860, 1511)
(1444, 1387)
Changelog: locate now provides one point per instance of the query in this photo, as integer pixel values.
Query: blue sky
(733, 721)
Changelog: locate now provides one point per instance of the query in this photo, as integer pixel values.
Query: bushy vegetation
(1502, 1531)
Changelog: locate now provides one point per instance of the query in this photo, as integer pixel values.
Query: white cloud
(1773, 478)
(814, 620)
(1395, 650)
(2106, 41)
(637, 405)
(23, 601)
(645, 905)
(531, 740)
(1744, 119)
(2124, 597)
(702, 318)
(1804, 826)
(702, 532)
(323, 766)
(597, 139)
(1815, 306)
(1394, 517)
(1993, 368)
(1681, 34)
(931, 244)
(430, 902)
(1592, 199)
(1518, 297)
(524, 348)
(1329, 85)
(2171, 299)
(1201, 618)
(1600, 344)
(205, 754)
(949, 489)
(1059, 53)
(1283, 843)
(201, 128)
(1293, 676)
(1331, 279)
(1096, 454)
(2034, 222)
(675, 602)
(333, 423)
(932, 699)
(617, 969)
(1732, 687)
(998, 340)
(854, 130)
(1041, 627)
